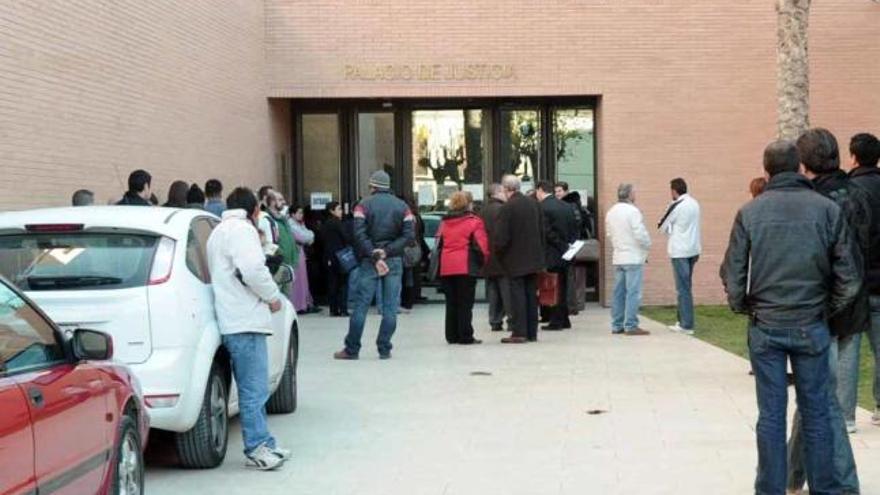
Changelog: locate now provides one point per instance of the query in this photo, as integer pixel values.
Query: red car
(70, 421)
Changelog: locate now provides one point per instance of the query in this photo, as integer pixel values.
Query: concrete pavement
(580, 412)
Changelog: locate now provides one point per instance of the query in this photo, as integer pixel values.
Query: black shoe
(532, 339)
(313, 310)
(387, 355)
(345, 314)
(553, 327)
(497, 329)
(335, 313)
(475, 341)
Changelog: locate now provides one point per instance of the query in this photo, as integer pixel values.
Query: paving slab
(579, 412)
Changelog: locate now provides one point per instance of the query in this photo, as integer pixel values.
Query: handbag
(346, 260)
(412, 255)
(548, 289)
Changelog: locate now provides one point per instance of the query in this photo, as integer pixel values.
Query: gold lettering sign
(429, 72)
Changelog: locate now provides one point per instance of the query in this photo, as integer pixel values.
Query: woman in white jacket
(625, 228)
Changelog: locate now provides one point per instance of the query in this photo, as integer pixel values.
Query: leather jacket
(790, 260)
(855, 206)
(868, 178)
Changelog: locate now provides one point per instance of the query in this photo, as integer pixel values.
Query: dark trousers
(412, 287)
(337, 291)
(460, 292)
(559, 313)
(498, 293)
(524, 306)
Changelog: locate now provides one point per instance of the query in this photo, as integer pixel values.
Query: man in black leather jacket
(789, 265)
(864, 151)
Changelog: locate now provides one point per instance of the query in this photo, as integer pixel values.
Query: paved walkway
(580, 412)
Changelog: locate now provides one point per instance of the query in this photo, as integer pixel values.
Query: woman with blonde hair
(464, 249)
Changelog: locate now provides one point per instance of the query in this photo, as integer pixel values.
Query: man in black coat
(560, 230)
(519, 246)
(497, 286)
(864, 150)
(138, 193)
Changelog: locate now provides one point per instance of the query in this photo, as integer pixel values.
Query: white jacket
(235, 245)
(683, 228)
(625, 227)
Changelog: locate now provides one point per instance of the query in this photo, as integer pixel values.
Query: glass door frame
(347, 110)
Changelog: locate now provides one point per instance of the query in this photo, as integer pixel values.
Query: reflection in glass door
(448, 155)
(520, 151)
(375, 147)
(573, 144)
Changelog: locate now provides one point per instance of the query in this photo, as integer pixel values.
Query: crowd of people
(803, 263)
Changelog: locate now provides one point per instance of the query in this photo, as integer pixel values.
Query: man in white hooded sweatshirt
(245, 295)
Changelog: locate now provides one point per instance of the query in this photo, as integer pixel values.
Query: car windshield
(76, 261)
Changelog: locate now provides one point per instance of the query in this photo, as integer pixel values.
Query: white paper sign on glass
(426, 195)
(319, 200)
(476, 191)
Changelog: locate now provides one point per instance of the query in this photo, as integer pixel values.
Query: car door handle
(36, 396)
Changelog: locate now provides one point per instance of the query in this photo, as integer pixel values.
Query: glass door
(574, 149)
(375, 151)
(321, 156)
(449, 153)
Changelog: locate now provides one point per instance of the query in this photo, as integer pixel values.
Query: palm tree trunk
(793, 70)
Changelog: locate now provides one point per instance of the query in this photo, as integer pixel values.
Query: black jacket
(803, 264)
(560, 230)
(868, 178)
(491, 212)
(132, 199)
(855, 205)
(584, 219)
(382, 221)
(334, 238)
(519, 237)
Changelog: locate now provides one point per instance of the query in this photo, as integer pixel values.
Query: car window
(27, 341)
(196, 249)
(76, 260)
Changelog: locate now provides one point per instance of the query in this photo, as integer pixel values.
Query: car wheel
(204, 445)
(128, 470)
(283, 401)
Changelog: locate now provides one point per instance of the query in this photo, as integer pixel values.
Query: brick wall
(92, 90)
(687, 88)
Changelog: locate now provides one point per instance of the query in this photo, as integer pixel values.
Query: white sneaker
(850, 427)
(677, 328)
(284, 454)
(875, 418)
(264, 459)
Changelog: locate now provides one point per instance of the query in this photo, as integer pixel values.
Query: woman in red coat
(464, 249)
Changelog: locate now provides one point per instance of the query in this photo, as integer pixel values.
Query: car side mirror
(91, 345)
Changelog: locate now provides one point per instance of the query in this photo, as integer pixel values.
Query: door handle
(36, 396)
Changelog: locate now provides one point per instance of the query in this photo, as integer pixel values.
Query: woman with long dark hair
(335, 240)
(177, 194)
(464, 249)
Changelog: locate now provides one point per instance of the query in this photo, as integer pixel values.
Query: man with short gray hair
(625, 227)
(83, 197)
(497, 286)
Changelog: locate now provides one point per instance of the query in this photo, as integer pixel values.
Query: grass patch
(721, 327)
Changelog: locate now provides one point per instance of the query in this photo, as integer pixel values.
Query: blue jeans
(367, 286)
(627, 297)
(874, 338)
(808, 348)
(683, 269)
(250, 367)
(842, 460)
(848, 375)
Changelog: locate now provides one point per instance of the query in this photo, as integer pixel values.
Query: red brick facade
(188, 89)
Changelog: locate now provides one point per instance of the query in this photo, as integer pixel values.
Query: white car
(140, 274)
